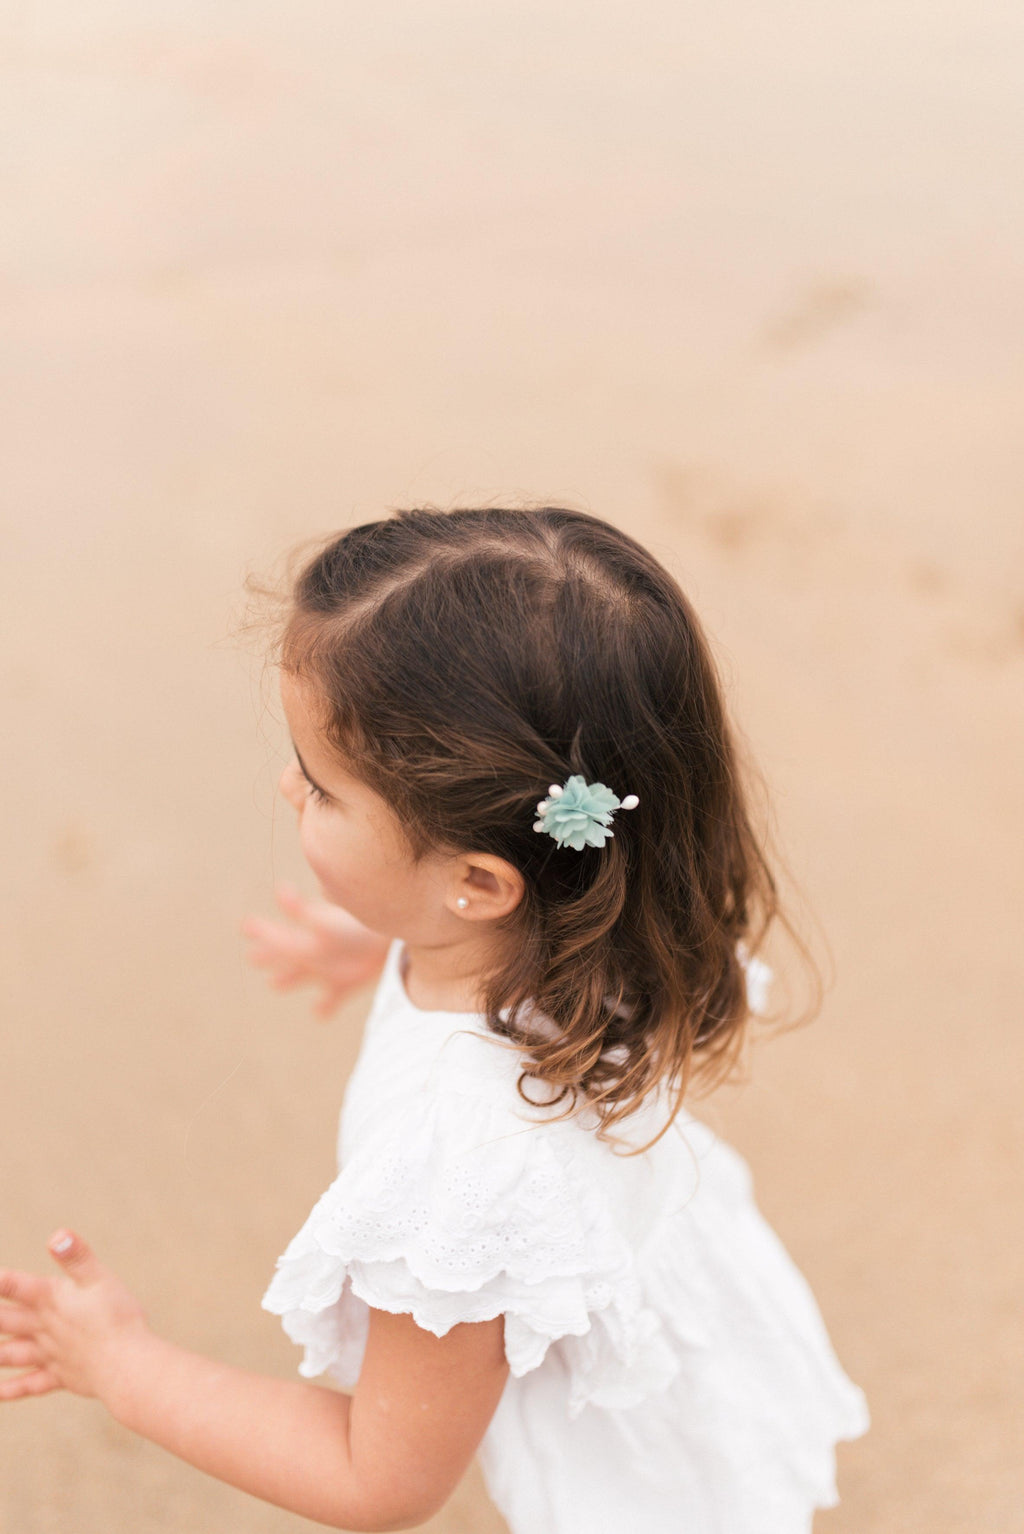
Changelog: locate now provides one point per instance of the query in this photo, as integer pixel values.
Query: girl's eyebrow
(305, 774)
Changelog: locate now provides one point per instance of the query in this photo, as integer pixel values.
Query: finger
(258, 929)
(75, 1256)
(15, 1322)
(23, 1288)
(18, 1355)
(328, 1001)
(264, 958)
(261, 958)
(254, 927)
(333, 920)
(287, 979)
(290, 901)
(284, 945)
(37, 1383)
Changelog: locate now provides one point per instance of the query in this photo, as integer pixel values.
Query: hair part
(466, 659)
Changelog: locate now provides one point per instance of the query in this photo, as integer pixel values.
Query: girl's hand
(69, 1332)
(325, 947)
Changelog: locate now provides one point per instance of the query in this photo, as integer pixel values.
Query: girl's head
(440, 670)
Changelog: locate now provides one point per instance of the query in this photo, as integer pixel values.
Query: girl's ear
(485, 887)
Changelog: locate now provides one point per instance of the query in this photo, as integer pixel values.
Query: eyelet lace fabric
(450, 1217)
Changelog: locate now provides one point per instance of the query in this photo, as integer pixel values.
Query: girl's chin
(349, 901)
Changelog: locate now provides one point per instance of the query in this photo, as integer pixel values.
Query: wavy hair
(465, 660)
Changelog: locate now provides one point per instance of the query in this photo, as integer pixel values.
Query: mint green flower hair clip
(578, 814)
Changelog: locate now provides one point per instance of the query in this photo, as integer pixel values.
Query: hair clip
(578, 813)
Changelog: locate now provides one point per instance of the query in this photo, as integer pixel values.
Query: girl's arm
(386, 1458)
(280, 1440)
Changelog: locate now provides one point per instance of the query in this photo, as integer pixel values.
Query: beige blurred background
(744, 279)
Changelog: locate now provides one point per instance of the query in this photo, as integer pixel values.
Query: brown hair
(467, 659)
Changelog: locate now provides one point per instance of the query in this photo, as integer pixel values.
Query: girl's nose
(292, 784)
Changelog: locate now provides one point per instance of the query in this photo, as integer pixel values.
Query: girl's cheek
(312, 843)
(326, 860)
(312, 849)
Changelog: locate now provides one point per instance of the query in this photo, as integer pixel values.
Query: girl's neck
(447, 977)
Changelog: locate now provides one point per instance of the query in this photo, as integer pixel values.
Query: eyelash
(318, 793)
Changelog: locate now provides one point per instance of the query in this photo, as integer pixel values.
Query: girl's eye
(318, 794)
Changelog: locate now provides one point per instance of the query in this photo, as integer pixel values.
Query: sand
(746, 282)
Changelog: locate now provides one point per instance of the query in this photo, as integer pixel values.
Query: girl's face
(353, 842)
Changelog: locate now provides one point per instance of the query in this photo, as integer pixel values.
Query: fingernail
(62, 1245)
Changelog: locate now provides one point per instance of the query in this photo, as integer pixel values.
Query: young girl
(515, 784)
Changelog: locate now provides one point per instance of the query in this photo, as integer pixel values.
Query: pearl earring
(462, 902)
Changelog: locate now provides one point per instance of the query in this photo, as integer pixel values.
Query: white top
(669, 1369)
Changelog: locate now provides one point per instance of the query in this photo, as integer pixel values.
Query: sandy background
(742, 278)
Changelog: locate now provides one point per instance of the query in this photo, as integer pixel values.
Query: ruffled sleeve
(454, 1211)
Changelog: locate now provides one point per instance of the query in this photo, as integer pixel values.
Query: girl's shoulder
(409, 1053)
(463, 1086)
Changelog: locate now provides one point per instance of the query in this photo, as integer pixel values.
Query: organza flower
(578, 814)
